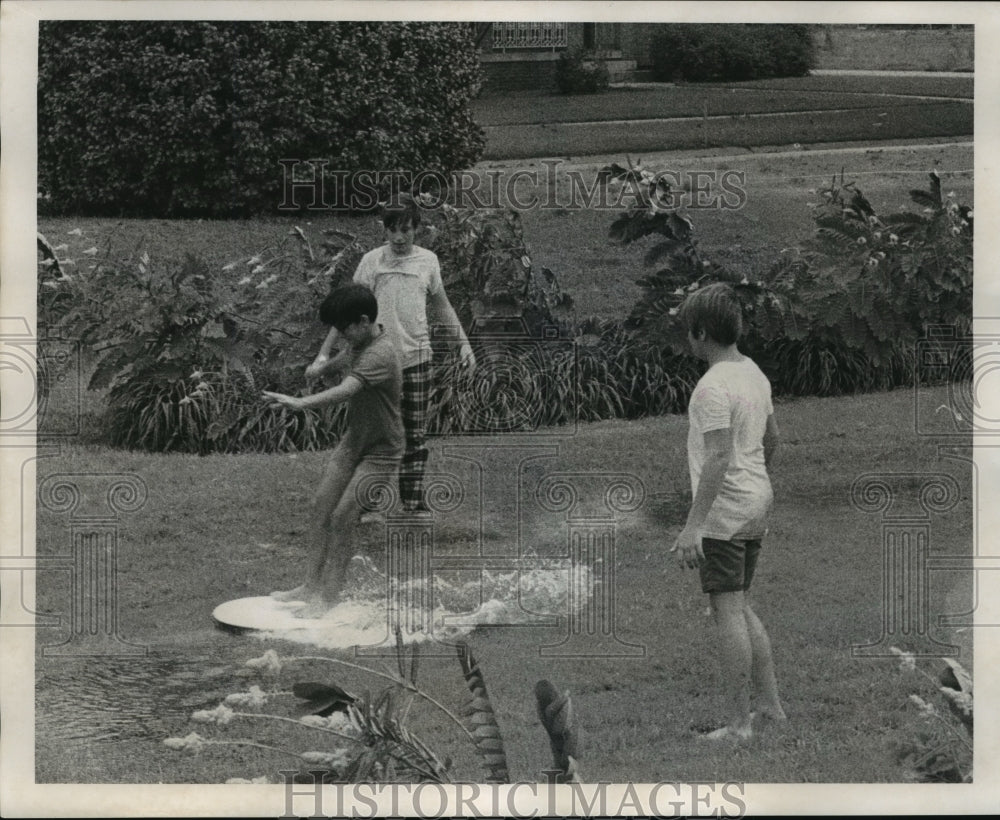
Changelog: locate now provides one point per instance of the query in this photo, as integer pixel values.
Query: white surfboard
(264, 614)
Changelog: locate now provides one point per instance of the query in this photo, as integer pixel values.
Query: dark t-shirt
(374, 423)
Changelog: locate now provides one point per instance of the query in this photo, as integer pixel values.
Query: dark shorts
(728, 565)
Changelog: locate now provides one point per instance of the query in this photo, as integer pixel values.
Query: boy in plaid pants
(406, 280)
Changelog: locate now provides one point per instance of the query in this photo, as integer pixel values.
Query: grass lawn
(922, 86)
(765, 112)
(909, 121)
(573, 241)
(736, 99)
(219, 527)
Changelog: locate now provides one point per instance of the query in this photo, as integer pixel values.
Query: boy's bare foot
(300, 593)
(315, 608)
(770, 713)
(730, 733)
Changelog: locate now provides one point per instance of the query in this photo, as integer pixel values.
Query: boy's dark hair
(346, 304)
(402, 211)
(715, 309)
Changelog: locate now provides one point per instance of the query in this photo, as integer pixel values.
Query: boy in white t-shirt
(731, 443)
(406, 280)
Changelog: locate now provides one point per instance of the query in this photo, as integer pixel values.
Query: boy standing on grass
(731, 443)
(406, 279)
(371, 445)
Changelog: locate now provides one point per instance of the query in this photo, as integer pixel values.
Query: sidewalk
(864, 72)
(823, 72)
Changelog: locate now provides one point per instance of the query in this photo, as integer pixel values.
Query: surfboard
(263, 614)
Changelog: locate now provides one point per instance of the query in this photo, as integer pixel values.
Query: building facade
(522, 56)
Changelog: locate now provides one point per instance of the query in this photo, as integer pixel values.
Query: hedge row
(192, 118)
(707, 53)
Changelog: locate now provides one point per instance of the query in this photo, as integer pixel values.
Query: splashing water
(461, 600)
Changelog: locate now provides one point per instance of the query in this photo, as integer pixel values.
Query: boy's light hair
(716, 310)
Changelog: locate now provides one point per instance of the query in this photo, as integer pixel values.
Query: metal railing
(529, 35)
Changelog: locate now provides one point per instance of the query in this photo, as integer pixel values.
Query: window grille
(529, 35)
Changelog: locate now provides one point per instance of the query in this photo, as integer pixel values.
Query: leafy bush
(487, 270)
(192, 118)
(577, 74)
(184, 359)
(877, 282)
(716, 52)
(601, 372)
(841, 313)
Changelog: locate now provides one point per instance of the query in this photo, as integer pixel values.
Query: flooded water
(109, 699)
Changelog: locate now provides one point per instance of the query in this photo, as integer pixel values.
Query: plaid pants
(413, 407)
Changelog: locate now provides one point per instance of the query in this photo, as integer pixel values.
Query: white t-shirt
(737, 396)
(401, 285)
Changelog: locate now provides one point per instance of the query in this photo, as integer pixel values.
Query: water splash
(472, 598)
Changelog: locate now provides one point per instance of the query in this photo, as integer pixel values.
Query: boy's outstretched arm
(718, 451)
(322, 364)
(771, 441)
(335, 395)
(442, 306)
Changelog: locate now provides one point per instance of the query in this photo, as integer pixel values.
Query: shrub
(577, 74)
(723, 52)
(192, 118)
(877, 282)
(184, 358)
(487, 269)
(843, 312)
(601, 372)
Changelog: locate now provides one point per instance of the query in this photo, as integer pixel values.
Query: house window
(529, 35)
